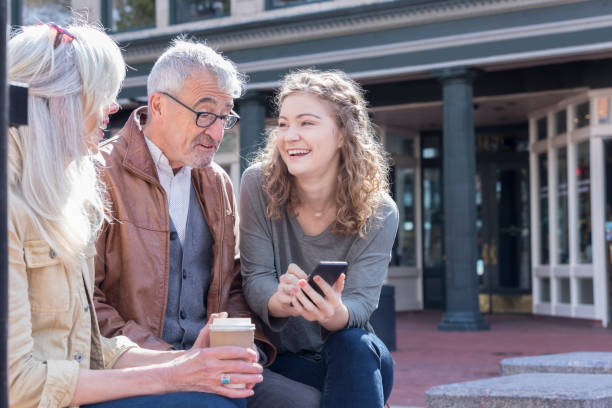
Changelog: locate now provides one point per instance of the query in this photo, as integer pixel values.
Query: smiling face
(94, 126)
(308, 138)
(177, 135)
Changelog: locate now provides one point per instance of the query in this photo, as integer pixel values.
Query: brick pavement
(426, 357)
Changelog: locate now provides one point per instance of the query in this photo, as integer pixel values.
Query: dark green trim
(139, 69)
(16, 12)
(270, 6)
(536, 15)
(129, 30)
(134, 92)
(446, 55)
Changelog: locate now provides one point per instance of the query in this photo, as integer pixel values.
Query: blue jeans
(174, 400)
(355, 370)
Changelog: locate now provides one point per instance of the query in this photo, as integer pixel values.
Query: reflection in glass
(512, 193)
(562, 207)
(543, 218)
(583, 189)
(192, 10)
(431, 147)
(563, 290)
(560, 122)
(604, 110)
(480, 239)
(404, 253)
(545, 290)
(608, 222)
(541, 125)
(37, 11)
(432, 217)
(131, 14)
(582, 115)
(585, 291)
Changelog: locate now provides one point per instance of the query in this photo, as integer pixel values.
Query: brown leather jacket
(132, 261)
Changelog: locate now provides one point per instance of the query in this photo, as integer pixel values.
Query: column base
(463, 321)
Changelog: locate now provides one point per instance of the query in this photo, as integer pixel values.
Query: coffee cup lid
(232, 323)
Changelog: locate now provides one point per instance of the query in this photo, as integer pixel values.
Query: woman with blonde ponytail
(57, 356)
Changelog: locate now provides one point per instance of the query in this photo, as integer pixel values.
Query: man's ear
(155, 104)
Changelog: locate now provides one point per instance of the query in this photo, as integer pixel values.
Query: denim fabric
(173, 400)
(354, 370)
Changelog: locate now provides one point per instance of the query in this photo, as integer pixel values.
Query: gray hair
(51, 174)
(183, 58)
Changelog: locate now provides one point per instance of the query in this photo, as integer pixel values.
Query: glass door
(502, 225)
(608, 215)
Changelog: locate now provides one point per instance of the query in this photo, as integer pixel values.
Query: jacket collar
(137, 156)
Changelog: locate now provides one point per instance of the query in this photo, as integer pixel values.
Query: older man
(169, 259)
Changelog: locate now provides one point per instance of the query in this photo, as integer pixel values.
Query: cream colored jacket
(53, 330)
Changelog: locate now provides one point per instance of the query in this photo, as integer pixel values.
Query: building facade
(496, 114)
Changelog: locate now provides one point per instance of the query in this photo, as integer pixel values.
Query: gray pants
(278, 391)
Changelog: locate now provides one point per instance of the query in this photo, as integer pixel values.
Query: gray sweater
(267, 247)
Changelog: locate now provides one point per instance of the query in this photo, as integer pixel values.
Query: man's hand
(203, 340)
(201, 369)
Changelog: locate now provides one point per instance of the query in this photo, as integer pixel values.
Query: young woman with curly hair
(319, 192)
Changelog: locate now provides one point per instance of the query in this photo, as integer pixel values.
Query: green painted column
(252, 126)
(459, 169)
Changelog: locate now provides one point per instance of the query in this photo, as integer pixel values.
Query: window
(563, 290)
(432, 218)
(45, 11)
(562, 207)
(560, 122)
(582, 115)
(285, 3)
(193, 10)
(604, 110)
(130, 14)
(545, 290)
(541, 125)
(543, 186)
(583, 190)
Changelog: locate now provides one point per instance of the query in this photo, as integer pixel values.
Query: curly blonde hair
(362, 180)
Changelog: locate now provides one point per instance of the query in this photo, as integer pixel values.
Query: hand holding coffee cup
(232, 332)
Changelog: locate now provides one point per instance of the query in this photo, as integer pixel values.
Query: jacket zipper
(222, 244)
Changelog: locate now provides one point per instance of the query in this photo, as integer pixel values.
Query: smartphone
(329, 270)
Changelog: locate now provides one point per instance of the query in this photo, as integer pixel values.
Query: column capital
(466, 74)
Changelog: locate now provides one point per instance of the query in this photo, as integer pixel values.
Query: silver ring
(225, 378)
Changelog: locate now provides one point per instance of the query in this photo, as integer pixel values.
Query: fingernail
(317, 278)
(302, 282)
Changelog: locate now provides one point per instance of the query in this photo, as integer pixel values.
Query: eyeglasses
(206, 119)
(61, 35)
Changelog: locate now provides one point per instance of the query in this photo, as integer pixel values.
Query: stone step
(525, 391)
(579, 362)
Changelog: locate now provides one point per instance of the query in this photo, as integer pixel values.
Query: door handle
(493, 252)
(485, 254)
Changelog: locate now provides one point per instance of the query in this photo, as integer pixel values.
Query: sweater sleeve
(369, 261)
(259, 275)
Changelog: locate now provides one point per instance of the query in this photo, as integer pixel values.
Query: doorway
(502, 224)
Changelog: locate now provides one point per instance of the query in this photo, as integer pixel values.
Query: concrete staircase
(569, 380)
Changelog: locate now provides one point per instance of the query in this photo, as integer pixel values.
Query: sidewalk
(426, 357)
